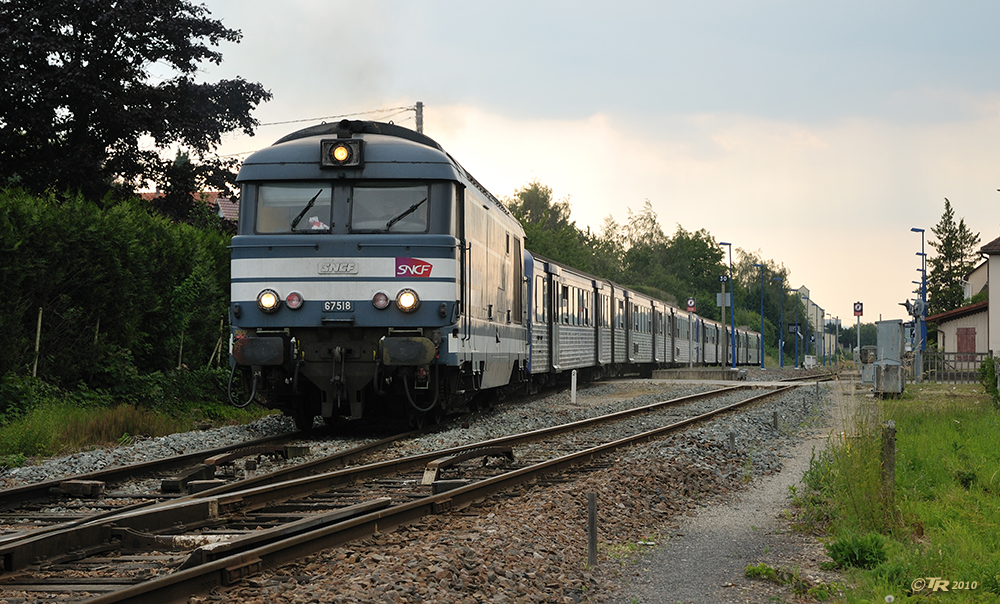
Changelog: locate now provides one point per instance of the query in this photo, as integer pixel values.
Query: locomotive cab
(366, 274)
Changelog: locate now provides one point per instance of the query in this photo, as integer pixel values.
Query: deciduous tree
(95, 89)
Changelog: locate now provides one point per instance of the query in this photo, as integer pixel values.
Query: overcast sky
(815, 134)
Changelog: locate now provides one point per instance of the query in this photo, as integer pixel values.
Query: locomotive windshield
(393, 209)
(318, 207)
(293, 207)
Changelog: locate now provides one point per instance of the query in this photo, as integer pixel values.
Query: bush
(121, 289)
(988, 377)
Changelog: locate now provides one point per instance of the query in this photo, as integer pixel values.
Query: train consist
(372, 274)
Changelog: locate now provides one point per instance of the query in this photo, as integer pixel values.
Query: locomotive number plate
(338, 305)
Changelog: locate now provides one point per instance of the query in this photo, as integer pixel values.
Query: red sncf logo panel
(413, 267)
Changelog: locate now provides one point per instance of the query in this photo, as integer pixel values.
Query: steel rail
(256, 492)
(40, 490)
(60, 536)
(286, 483)
(181, 585)
(822, 377)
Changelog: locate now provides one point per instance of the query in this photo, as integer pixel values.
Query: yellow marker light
(268, 300)
(407, 300)
(341, 153)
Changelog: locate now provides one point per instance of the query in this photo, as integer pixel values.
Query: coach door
(630, 341)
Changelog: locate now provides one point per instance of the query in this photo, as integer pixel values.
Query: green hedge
(119, 287)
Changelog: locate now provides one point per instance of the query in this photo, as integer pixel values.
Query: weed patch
(938, 519)
(800, 586)
(858, 551)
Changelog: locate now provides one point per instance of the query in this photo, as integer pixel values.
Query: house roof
(229, 208)
(958, 313)
(992, 247)
(224, 206)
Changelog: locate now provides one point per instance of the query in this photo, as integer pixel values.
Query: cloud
(833, 201)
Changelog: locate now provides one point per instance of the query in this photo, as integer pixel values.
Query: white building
(992, 249)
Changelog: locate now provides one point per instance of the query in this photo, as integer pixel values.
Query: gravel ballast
(530, 545)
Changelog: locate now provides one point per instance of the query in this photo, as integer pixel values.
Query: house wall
(977, 280)
(994, 312)
(949, 331)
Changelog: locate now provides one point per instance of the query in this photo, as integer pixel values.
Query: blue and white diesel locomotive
(372, 273)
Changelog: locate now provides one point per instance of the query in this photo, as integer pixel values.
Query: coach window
(279, 207)
(390, 209)
(573, 304)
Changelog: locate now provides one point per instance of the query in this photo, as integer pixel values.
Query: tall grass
(942, 516)
(41, 420)
(61, 428)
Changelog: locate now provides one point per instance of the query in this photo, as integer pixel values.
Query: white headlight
(407, 300)
(268, 300)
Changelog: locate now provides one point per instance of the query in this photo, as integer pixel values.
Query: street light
(761, 267)
(781, 322)
(732, 306)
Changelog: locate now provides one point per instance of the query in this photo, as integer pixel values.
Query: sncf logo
(412, 267)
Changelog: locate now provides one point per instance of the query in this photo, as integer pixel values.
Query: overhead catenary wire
(342, 116)
(403, 110)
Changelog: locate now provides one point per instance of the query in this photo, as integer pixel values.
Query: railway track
(171, 549)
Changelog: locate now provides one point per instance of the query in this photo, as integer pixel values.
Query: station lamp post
(825, 315)
(797, 334)
(922, 318)
(732, 306)
(761, 267)
(781, 321)
(836, 342)
(821, 336)
(805, 339)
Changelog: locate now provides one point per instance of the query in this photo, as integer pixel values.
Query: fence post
(592, 529)
(38, 343)
(888, 459)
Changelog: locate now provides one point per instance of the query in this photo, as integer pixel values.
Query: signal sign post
(859, 309)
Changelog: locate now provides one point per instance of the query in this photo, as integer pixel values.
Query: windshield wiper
(405, 213)
(309, 205)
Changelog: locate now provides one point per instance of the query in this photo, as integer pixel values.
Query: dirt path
(705, 558)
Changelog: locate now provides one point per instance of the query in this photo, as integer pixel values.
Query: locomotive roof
(347, 128)
(395, 152)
